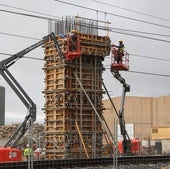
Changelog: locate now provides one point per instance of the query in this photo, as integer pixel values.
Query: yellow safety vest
(27, 151)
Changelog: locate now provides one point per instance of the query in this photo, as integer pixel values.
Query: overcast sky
(155, 19)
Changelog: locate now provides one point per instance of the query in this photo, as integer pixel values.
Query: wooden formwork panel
(67, 109)
(54, 79)
(71, 99)
(94, 38)
(57, 144)
(66, 122)
(90, 45)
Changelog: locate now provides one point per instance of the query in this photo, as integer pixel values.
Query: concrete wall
(144, 112)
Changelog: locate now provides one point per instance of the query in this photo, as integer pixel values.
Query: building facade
(145, 114)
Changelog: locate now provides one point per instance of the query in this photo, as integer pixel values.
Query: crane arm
(20, 92)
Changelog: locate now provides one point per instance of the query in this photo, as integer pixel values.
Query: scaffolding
(73, 124)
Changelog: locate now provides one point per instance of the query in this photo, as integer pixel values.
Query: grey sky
(30, 75)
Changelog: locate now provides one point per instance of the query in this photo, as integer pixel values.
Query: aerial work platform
(123, 64)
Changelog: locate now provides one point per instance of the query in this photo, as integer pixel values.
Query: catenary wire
(130, 10)
(125, 33)
(141, 32)
(39, 39)
(19, 36)
(140, 36)
(26, 37)
(27, 57)
(146, 73)
(92, 0)
(112, 14)
(41, 13)
(29, 15)
(149, 57)
(119, 32)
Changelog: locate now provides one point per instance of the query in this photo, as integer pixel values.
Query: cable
(27, 57)
(153, 74)
(29, 15)
(20, 36)
(108, 13)
(148, 33)
(140, 36)
(149, 57)
(29, 10)
(146, 73)
(125, 33)
(40, 17)
(98, 2)
(103, 28)
(101, 3)
(79, 6)
(152, 16)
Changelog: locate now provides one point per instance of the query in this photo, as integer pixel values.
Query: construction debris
(7, 130)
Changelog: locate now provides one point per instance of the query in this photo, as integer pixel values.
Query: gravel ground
(140, 166)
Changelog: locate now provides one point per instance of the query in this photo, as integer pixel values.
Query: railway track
(71, 163)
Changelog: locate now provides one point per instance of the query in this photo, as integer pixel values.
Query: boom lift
(127, 146)
(126, 143)
(115, 68)
(8, 152)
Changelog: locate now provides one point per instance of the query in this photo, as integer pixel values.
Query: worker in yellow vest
(27, 152)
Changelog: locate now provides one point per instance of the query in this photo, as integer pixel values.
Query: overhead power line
(140, 36)
(130, 10)
(146, 73)
(149, 57)
(112, 14)
(41, 13)
(124, 32)
(19, 36)
(27, 57)
(141, 32)
(29, 15)
(54, 16)
(102, 28)
(32, 38)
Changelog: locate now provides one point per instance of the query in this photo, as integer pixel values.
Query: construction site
(74, 123)
(79, 123)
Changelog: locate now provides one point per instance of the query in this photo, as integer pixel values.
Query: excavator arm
(20, 92)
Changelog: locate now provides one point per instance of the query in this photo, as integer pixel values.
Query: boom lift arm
(17, 88)
(126, 138)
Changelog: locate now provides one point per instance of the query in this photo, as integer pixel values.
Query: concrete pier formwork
(73, 129)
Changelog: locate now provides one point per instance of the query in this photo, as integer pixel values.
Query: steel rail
(71, 163)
